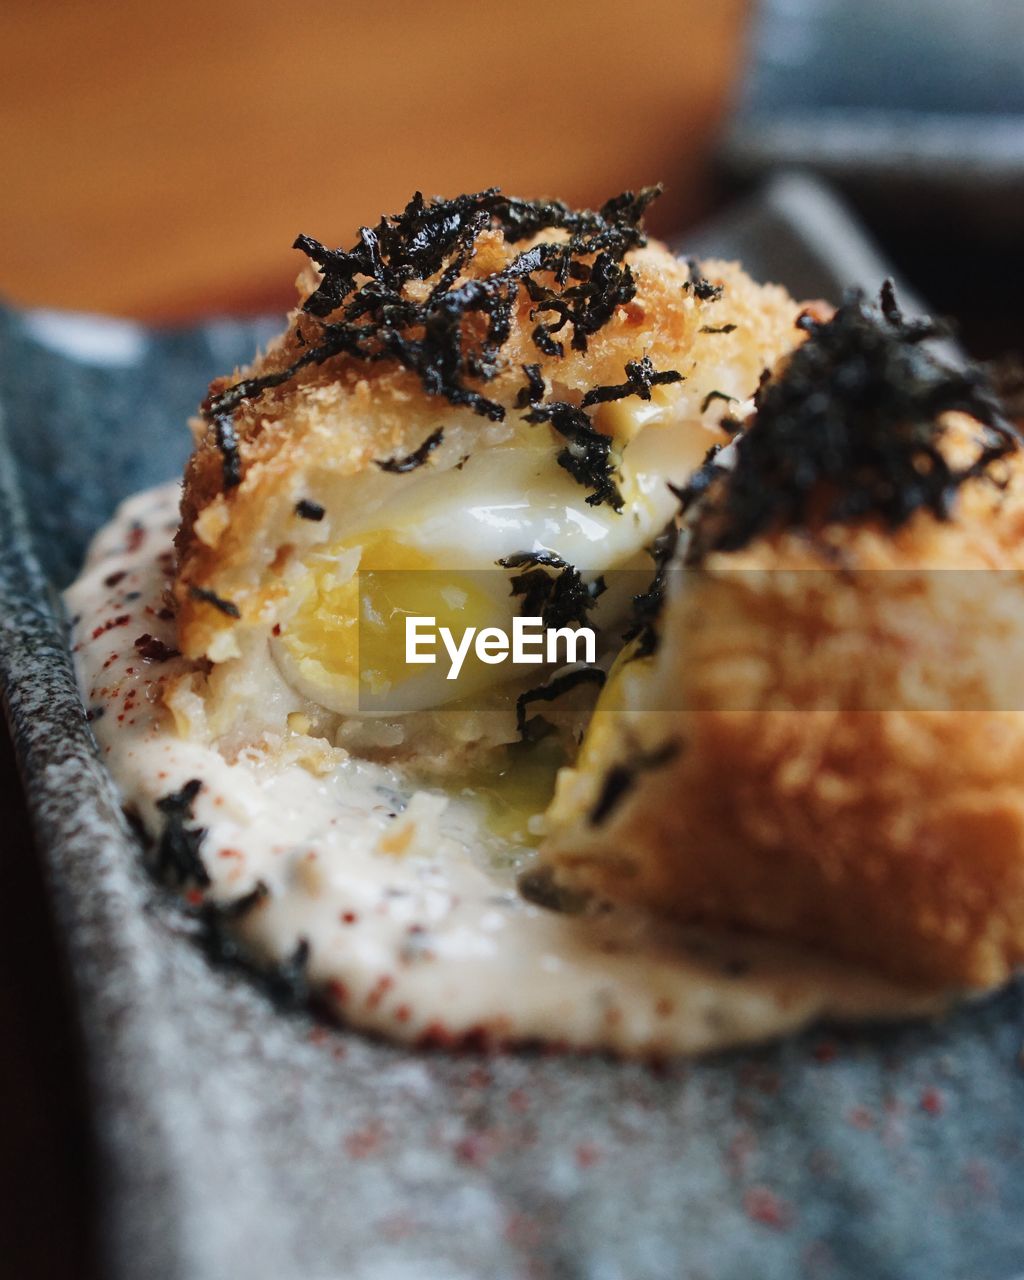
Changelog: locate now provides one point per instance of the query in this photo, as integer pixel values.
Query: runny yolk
(393, 581)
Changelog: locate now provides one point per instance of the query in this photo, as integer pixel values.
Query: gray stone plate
(236, 1139)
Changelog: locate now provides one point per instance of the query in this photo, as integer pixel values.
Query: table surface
(161, 160)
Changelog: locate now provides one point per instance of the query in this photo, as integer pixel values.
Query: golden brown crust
(333, 420)
(807, 798)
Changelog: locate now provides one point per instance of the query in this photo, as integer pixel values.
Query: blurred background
(158, 161)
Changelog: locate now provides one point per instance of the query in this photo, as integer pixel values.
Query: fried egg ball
(828, 743)
(266, 591)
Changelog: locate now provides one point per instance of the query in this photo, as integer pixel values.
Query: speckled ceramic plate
(239, 1140)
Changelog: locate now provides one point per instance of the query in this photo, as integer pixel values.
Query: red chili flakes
(337, 990)
(379, 990)
(112, 579)
(361, 1143)
(588, 1154)
(276, 629)
(761, 1204)
(121, 620)
(154, 650)
(474, 1149)
(230, 853)
(933, 1102)
(473, 1040)
(194, 897)
(403, 1013)
(136, 537)
(349, 917)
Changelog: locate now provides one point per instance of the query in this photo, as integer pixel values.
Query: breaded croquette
(822, 737)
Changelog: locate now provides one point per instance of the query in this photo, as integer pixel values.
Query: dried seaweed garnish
(559, 598)
(647, 605)
(286, 982)
(227, 607)
(552, 689)
(702, 288)
(240, 907)
(588, 454)
(641, 376)
(717, 328)
(227, 443)
(715, 395)
(535, 389)
(364, 308)
(309, 510)
(177, 851)
(849, 429)
(621, 778)
(399, 466)
(587, 306)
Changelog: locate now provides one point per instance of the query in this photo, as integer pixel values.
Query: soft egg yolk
(337, 611)
(344, 643)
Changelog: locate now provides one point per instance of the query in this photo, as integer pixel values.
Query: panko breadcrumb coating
(827, 742)
(455, 330)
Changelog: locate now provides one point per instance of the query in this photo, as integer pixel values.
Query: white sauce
(434, 942)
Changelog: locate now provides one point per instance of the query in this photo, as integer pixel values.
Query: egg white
(458, 524)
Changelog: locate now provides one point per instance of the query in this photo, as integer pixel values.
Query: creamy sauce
(406, 896)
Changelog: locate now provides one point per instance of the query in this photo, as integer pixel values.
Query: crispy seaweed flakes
(178, 856)
(551, 589)
(702, 288)
(647, 605)
(641, 377)
(401, 293)
(588, 456)
(556, 687)
(401, 466)
(849, 430)
(286, 982)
